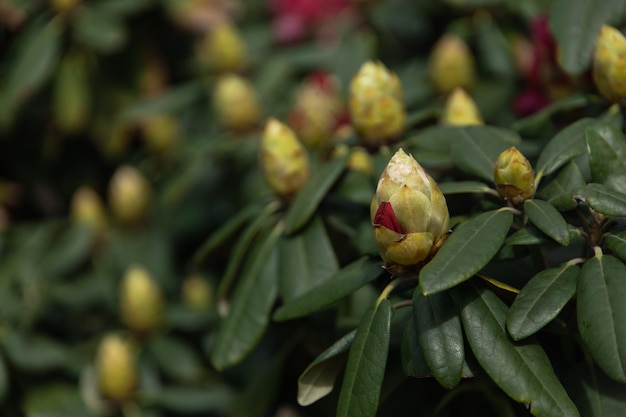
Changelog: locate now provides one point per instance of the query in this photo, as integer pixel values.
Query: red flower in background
(294, 19)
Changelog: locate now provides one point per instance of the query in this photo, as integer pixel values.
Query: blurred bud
(197, 292)
(236, 103)
(460, 110)
(222, 49)
(514, 177)
(284, 160)
(62, 6)
(71, 93)
(376, 105)
(87, 208)
(160, 132)
(115, 369)
(141, 301)
(129, 195)
(451, 65)
(361, 160)
(409, 214)
(609, 64)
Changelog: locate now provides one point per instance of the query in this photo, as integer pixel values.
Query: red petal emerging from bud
(387, 218)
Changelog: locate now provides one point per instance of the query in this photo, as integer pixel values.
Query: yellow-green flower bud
(141, 301)
(63, 6)
(377, 105)
(223, 49)
(235, 103)
(116, 370)
(361, 160)
(129, 195)
(514, 177)
(197, 293)
(284, 160)
(451, 64)
(87, 208)
(160, 132)
(460, 110)
(609, 64)
(409, 214)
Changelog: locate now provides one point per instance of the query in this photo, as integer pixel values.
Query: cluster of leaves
(519, 312)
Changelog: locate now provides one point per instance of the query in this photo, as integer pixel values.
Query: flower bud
(129, 195)
(451, 65)
(63, 6)
(87, 208)
(236, 103)
(160, 132)
(284, 160)
(222, 49)
(514, 177)
(360, 160)
(609, 64)
(141, 301)
(376, 105)
(409, 214)
(115, 369)
(197, 292)
(71, 93)
(460, 110)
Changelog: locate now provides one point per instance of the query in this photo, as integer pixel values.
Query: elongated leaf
(617, 243)
(470, 247)
(413, 361)
(606, 146)
(32, 352)
(548, 220)
(187, 366)
(4, 380)
(594, 393)
(541, 300)
(194, 400)
(534, 124)
(522, 370)
(604, 200)
(365, 370)
(465, 187)
(529, 235)
(494, 49)
(250, 308)
(55, 399)
(318, 379)
(344, 282)
(559, 191)
(307, 259)
(602, 313)
(439, 335)
(564, 146)
(575, 25)
(309, 197)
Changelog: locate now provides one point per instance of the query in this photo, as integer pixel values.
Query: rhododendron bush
(292, 208)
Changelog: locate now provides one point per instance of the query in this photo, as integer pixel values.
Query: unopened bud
(197, 292)
(360, 160)
(514, 177)
(609, 64)
(284, 160)
(87, 208)
(376, 105)
(235, 103)
(451, 65)
(129, 195)
(460, 110)
(160, 132)
(116, 370)
(141, 301)
(222, 49)
(71, 94)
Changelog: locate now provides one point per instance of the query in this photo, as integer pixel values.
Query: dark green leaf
(55, 400)
(548, 220)
(564, 146)
(595, 394)
(602, 313)
(617, 243)
(527, 236)
(541, 300)
(174, 100)
(413, 361)
(606, 146)
(465, 187)
(470, 247)
(251, 304)
(559, 191)
(367, 360)
(533, 125)
(522, 370)
(32, 352)
(4, 380)
(494, 49)
(318, 379)
(195, 400)
(307, 259)
(308, 198)
(439, 335)
(344, 282)
(187, 366)
(73, 246)
(604, 200)
(99, 30)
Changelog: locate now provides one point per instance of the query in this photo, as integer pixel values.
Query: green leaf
(99, 30)
(307, 259)
(468, 249)
(195, 400)
(187, 366)
(521, 369)
(344, 282)
(250, 307)
(576, 24)
(606, 146)
(564, 146)
(439, 335)
(55, 400)
(318, 379)
(363, 379)
(534, 125)
(595, 394)
(559, 191)
(541, 300)
(602, 313)
(527, 236)
(413, 361)
(603, 199)
(463, 187)
(548, 220)
(494, 49)
(4, 380)
(308, 198)
(617, 243)
(32, 352)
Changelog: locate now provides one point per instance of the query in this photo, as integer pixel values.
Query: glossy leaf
(595, 394)
(307, 200)
(307, 259)
(360, 391)
(250, 307)
(603, 199)
(606, 146)
(413, 361)
(527, 236)
(318, 379)
(559, 191)
(468, 249)
(541, 300)
(548, 220)
(602, 313)
(564, 146)
(187, 366)
(617, 243)
(439, 335)
(463, 187)
(344, 282)
(522, 370)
